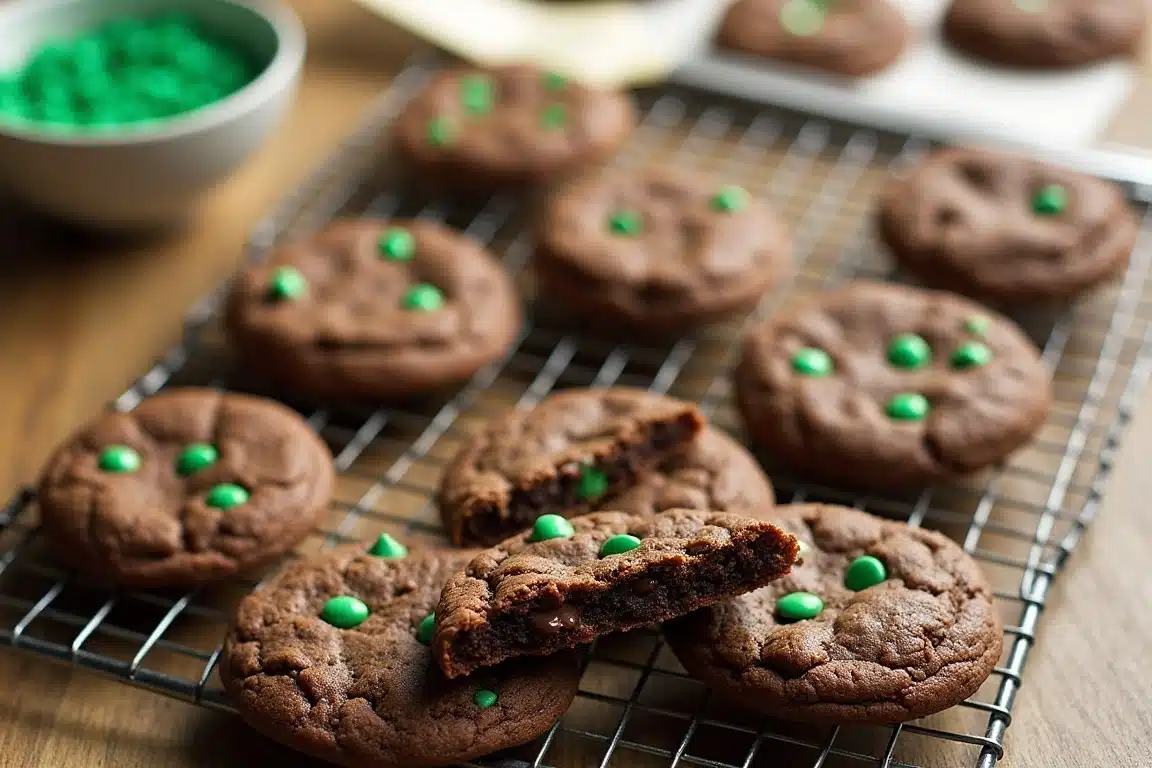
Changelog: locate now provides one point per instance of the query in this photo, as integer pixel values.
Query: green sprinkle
(730, 199)
(553, 116)
(196, 458)
(863, 572)
(423, 297)
(397, 244)
(476, 93)
(551, 527)
(344, 612)
(424, 631)
(971, 354)
(796, 606)
(287, 284)
(388, 548)
(626, 223)
(593, 483)
(619, 544)
(554, 82)
(810, 361)
(119, 459)
(1051, 200)
(909, 351)
(977, 325)
(440, 133)
(225, 496)
(908, 406)
(484, 698)
(802, 18)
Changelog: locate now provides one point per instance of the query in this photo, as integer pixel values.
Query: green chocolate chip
(388, 548)
(619, 544)
(977, 325)
(287, 284)
(476, 93)
(730, 199)
(802, 18)
(810, 361)
(1050, 200)
(484, 698)
(971, 354)
(593, 483)
(119, 459)
(863, 572)
(909, 351)
(551, 527)
(796, 606)
(553, 116)
(344, 612)
(908, 406)
(226, 496)
(424, 631)
(423, 297)
(554, 82)
(397, 244)
(440, 133)
(625, 223)
(195, 458)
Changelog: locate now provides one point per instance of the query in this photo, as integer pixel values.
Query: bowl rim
(280, 71)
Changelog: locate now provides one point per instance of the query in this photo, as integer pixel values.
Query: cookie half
(575, 451)
(193, 486)
(566, 582)
(884, 386)
(1046, 34)
(1006, 228)
(879, 623)
(846, 37)
(331, 658)
(658, 251)
(374, 310)
(510, 125)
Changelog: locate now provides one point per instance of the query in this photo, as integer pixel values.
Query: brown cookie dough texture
(569, 583)
(856, 421)
(1046, 34)
(150, 525)
(352, 331)
(510, 125)
(920, 641)
(369, 695)
(658, 251)
(967, 220)
(855, 38)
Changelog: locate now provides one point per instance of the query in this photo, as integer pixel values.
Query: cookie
(879, 623)
(883, 386)
(575, 451)
(331, 658)
(193, 486)
(658, 251)
(508, 126)
(1045, 34)
(1006, 228)
(846, 37)
(374, 310)
(567, 582)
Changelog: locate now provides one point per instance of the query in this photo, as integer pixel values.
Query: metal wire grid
(636, 706)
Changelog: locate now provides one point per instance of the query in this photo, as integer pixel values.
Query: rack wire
(636, 706)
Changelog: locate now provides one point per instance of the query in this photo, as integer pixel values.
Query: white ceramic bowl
(150, 176)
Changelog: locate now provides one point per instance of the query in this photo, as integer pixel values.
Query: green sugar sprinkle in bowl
(118, 114)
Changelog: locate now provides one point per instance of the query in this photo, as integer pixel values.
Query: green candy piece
(802, 18)
(226, 496)
(593, 483)
(424, 631)
(730, 199)
(287, 284)
(551, 527)
(908, 406)
(388, 548)
(397, 244)
(476, 93)
(162, 87)
(863, 572)
(440, 133)
(554, 82)
(909, 351)
(119, 459)
(344, 612)
(423, 297)
(810, 361)
(484, 698)
(971, 354)
(1050, 200)
(196, 458)
(796, 606)
(626, 223)
(977, 325)
(619, 544)
(553, 116)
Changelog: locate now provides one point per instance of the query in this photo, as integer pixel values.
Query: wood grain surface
(81, 320)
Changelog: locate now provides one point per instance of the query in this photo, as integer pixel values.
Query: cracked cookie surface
(885, 386)
(193, 486)
(915, 633)
(330, 658)
(374, 309)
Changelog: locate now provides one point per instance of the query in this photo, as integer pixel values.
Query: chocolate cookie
(883, 386)
(574, 452)
(846, 37)
(510, 125)
(566, 582)
(375, 310)
(658, 251)
(1006, 228)
(1045, 34)
(879, 623)
(331, 658)
(193, 486)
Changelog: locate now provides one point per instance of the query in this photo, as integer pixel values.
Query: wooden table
(81, 321)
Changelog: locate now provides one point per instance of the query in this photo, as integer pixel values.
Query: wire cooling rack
(636, 706)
